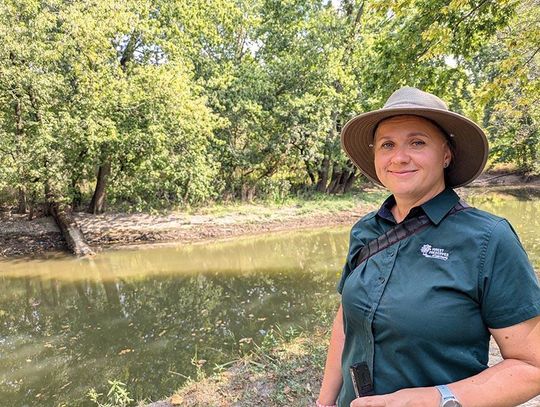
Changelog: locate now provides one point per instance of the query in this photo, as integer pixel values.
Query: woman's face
(410, 155)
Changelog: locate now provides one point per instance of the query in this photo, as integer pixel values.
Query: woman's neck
(404, 204)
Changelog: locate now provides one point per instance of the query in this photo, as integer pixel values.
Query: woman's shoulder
(367, 227)
(366, 221)
(367, 217)
(491, 226)
(480, 217)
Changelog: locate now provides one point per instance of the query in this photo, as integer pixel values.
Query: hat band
(412, 105)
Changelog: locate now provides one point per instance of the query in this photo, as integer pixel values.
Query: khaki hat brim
(470, 142)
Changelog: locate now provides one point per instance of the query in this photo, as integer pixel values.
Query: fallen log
(70, 231)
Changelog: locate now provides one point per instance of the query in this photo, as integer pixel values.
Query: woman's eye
(387, 145)
(418, 143)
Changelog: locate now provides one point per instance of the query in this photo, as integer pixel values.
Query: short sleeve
(508, 285)
(344, 274)
(355, 245)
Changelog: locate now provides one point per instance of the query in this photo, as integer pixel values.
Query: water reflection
(142, 316)
(235, 257)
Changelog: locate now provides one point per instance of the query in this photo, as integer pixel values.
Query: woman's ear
(448, 156)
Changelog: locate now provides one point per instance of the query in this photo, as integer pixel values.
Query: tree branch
(432, 44)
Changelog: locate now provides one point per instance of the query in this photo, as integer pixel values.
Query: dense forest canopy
(171, 102)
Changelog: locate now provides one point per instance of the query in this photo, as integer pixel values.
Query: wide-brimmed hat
(470, 146)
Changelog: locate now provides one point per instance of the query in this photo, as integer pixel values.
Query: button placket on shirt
(387, 264)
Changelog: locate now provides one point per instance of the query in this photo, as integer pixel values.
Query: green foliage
(91, 85)
(507, 77)
(184, 102)
(117, 396)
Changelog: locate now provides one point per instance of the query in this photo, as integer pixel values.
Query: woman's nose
(400, 155)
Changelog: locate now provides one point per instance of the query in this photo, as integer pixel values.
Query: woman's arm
(513, 381)
(332, 379)
(509, 383)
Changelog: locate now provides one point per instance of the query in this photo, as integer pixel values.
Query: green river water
(144, 316)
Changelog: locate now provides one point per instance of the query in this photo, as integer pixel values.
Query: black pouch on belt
(361, 379)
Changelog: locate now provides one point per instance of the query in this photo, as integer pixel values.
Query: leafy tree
(507, 85)
(157, 104)
(90, 89)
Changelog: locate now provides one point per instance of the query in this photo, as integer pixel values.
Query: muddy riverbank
(19, 237)
(41, 236)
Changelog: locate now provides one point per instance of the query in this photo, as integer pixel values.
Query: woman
(420, 305)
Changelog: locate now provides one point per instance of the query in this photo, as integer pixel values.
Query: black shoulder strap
(399, 232)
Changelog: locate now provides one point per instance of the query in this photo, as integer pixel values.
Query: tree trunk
(311, 177)
(340, 184)
(310, 172)
(21, 207)
(349, 182)
(334, 181)
(323, 175)
(19, 131)
(70, 231)
(49, 200)
(97, 204)
(251, 193)
(248, 192)
(324, 172)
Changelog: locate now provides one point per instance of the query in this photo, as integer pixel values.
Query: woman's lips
(402, 173)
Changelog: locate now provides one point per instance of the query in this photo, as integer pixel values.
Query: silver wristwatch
(447, 397)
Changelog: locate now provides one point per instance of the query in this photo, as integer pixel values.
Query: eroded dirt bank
(20, 237)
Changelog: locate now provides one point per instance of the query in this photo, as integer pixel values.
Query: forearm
(332, 379)
(508, 383)
(514, 380)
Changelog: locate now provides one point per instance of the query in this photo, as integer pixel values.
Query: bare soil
(41, 236)
(19, 237)
(288, 375)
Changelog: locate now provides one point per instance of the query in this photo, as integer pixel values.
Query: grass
(289, 373)
(312, 203)
(302, 204)
(285, 369)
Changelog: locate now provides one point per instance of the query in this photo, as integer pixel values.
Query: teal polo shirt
(418, 312)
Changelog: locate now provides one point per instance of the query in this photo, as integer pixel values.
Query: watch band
(446, 394)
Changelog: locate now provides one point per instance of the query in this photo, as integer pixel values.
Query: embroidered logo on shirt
(431, 252)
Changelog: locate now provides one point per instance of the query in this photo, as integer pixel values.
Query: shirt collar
(435, 209)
